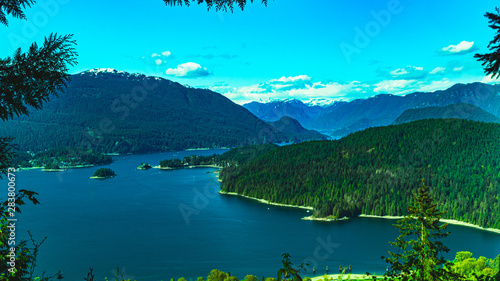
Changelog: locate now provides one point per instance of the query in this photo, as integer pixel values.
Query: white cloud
(287, 83)
(461, 48)
(292, 79)
(319, 90)
(437, 70)
(409, 72)
(458, 68)
(159, 59)
(331, 91)
(490, 80)
(400, 86)
(162, 55)
(188, 70)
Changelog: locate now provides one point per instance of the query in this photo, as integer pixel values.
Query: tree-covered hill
(295, 131)
(375, 171)
(458, 110)
(113, 111)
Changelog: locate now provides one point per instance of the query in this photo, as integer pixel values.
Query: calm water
(157, 225)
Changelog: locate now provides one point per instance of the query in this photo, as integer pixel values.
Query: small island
(144, 166)
(103, 173)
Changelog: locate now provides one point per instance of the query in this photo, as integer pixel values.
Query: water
(157, 225)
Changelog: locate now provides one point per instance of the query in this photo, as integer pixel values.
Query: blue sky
(316, 49)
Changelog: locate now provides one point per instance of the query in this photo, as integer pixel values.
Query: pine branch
(13, 8)
(220, 5)
(29, 79)
(491, 61)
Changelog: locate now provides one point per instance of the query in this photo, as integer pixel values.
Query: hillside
(295, 131)
(376, 171)
(118, 112)
(458, 110)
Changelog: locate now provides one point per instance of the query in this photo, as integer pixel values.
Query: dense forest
(375, 171)
(61, 157)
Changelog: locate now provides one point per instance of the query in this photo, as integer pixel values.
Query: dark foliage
(14, 8)
(29, 79)
(491, 61)
(223, 5)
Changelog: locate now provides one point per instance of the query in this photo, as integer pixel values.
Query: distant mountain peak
(100, 71)
(322, 102)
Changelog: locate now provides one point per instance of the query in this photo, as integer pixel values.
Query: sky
(301, 49)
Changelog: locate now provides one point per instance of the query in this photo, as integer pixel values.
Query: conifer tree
(491, 61)
(420, 251)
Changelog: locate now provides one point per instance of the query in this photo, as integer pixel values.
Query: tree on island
(223, 5)
(104, 173)
(144, 166)
(420, 253)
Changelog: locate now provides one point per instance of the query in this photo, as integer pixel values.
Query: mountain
(304, 113)
(118, 112)
(376, 171)
(457, 110)
(342, 118)
(295, 131)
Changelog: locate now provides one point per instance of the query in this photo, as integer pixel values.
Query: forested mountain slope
(376, 171)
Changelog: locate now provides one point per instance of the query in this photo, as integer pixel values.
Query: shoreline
(101, 178)
(187, 167)
(62, 168)
(310, 218)
(266, 202)
(448, 221)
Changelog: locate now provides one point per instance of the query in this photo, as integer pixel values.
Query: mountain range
(117, 112)
(341, 118)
